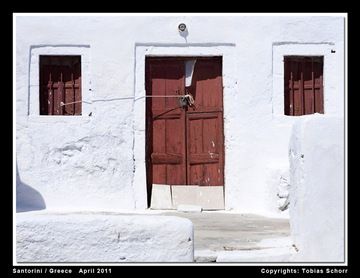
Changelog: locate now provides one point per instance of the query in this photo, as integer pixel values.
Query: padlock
(183, 101)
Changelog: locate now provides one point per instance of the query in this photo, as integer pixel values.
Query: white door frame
(142, 50)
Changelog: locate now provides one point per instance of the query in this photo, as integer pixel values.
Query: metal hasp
(187, 100)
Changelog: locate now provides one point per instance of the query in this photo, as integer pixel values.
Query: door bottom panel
(172, 196)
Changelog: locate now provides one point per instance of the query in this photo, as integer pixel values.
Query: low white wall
(50, 237)
(317, 188)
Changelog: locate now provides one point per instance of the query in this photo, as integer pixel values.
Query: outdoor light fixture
(182, 27)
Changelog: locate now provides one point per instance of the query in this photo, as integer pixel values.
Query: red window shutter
(60, 83)
(318, 65)
(303, 85)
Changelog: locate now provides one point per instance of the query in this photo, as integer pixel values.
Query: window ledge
(291, 119)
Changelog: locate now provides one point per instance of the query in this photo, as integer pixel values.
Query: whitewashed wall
(103, 237)
(97, 162)
(317, 204)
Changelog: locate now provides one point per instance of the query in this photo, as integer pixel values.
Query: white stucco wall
(317, 193)
(101, 237)
(98, 161)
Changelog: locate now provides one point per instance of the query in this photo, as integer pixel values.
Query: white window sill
(287, 119)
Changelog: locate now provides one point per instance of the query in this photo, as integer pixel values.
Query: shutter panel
(60, 82)
(297, 87)
(303, 85)
(318, 66)
(288, 89)
(57, 72)
(69, 92)
(77, 87)
(308, 84)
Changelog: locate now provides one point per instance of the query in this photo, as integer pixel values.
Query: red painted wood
(308, 87)
(60, 82)
(59, 91)
(47, 95)
(69, 92)
(165, 123)
(77, 87)
(204, 158)
(184, 145)
(49, 100)
(298, 92)
(204, 125)
(303, 85)
(167, 158)
(318, 83)
(292, 105)
(288, 88)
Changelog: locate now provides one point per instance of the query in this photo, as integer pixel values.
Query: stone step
(205, 256)
(267, 250)
(282, 254)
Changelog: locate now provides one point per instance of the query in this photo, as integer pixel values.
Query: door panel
(165, 124)
(205, 149)
(204, 125)
(207, 85)
(184, 145)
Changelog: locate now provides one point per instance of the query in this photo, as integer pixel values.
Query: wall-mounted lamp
(183, 31)
(182, 27)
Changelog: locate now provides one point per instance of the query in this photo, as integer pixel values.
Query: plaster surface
(102, 237)
(97, 160)
(317, 192)
(226, 231)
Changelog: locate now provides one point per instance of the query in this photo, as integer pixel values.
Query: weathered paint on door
(184, 144)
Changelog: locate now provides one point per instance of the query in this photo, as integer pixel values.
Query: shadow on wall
(27, 198)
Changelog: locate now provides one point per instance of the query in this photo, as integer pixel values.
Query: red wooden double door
(185, 144)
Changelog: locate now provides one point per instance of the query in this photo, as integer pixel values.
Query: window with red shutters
(60, 85)
(303, 85)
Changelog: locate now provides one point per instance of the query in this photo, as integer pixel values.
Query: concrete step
(205, 256)
(282, 254)
(267, 250)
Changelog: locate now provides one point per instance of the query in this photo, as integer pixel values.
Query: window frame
(332, 60)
